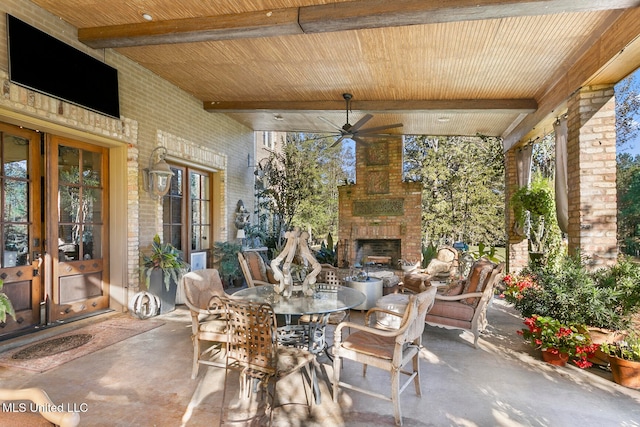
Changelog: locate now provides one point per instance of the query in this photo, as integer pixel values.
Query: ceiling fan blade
(320, 138)
(360, 122)
(359, 141)
(338, 141)
(379, 128)
(330, 124)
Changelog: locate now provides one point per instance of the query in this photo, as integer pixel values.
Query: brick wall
(153, 112)
(362, 205)
(591, 161)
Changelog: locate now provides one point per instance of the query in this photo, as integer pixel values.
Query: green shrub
(569, 292)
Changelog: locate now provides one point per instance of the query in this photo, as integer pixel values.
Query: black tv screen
(45, 64)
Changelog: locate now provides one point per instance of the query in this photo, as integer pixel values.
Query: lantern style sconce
(157, 177)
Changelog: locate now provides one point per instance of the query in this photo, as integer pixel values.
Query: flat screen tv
(43, 63)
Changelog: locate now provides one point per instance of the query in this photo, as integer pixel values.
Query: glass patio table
(325, 300)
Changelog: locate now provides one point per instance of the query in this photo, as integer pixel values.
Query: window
(187, 211)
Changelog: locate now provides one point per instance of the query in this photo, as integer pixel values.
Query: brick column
(591, 164)
(517, 246)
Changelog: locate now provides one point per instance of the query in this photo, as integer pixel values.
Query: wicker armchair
(253, 350)
(207, 324)
(44, 416)
(390, 350)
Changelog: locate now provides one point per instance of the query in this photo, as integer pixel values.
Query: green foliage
(166, 258)
(327, 253)
(628, 186)
(624, 279)
(463, 187)
(225, 255)
(570, 293)
(627, 106)
(487, 252)
(429, 252)
(5, 305)
(549, 334)
(534, 210)
(627, 348)
(291, 176)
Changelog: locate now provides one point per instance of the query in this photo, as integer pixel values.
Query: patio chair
(390, 350)
(463, 304)
(254, 269)
(442, 267)
(253, 351)
(207, 324)
(328, 280)
(44, 415)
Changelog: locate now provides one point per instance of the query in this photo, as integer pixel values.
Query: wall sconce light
(157, 177)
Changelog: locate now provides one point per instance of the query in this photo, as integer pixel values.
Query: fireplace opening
(391, 248)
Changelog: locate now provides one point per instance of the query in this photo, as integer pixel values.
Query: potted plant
(570, 292)
(225, 259)
(624, 360)
(559, 342)
(162, 270)
(5, 305)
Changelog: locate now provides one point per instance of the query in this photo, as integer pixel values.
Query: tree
(627, 107)
(628, 167)
(463, 187)
(320, 211)
(291, 175)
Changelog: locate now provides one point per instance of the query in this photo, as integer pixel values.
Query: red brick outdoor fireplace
(380, 215)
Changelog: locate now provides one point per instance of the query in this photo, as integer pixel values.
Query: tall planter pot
(625, 372)
(157, 287)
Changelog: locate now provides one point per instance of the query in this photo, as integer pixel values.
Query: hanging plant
(534, 212)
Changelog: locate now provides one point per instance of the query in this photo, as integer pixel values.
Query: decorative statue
(295, 248)
(242, 218)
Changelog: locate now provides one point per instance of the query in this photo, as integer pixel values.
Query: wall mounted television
(45, 64)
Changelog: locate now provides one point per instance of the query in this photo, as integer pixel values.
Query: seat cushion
(23, 419)
(452, 310)
(453, 289)
(373, 345)
(291, 359)
(256, 265)
(478, 280)
(455, 323)
(216, 326)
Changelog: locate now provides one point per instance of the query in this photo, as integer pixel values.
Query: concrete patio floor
(146, 381)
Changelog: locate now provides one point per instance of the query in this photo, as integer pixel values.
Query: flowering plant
(627, 348)
(549, 334)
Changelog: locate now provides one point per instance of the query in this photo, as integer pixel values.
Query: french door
(54, 228)
(77, 238)
(21, 225)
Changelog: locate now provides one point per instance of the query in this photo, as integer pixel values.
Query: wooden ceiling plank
(521, 105)
(223, 27)
(329, 18)
(611, 42)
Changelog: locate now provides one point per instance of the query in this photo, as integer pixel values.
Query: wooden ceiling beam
(272, 23)
(384, 13)
(507, 105)
(328, 18)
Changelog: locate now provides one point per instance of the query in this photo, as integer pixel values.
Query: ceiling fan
(349, 131)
